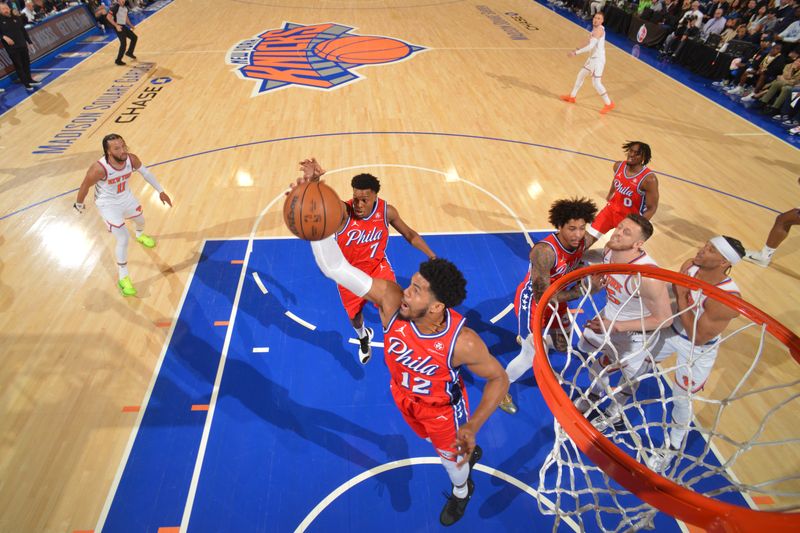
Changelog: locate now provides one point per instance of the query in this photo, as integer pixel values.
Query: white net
(730, 435)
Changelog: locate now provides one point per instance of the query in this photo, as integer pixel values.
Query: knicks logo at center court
(319, 56)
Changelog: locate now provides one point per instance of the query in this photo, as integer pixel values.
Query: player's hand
(165, 199)
(79, 207)
(464, 443)
(597, 325)
(312, 170)
(597, 282)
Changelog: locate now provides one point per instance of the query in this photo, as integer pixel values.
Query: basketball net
(724, 470)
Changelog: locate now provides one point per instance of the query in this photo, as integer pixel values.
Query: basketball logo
(318, 56)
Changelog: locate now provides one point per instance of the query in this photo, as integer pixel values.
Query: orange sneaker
(567, 98)
(607, 108)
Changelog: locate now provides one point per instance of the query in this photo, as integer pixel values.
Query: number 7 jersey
(363, 240)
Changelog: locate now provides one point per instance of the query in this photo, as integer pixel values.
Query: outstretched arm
(148, 176)
(414, 238)
(470, 350)
(313, 171)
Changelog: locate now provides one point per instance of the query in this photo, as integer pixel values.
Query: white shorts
(629, 347)
(595, 66)
(116, 213)
(694, 364)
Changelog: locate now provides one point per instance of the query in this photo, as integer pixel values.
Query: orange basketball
(312, 211)
(362, 49)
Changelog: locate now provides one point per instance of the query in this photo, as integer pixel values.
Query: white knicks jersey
(697, 300)
(599, 50)
(114, 187)
(623, 300)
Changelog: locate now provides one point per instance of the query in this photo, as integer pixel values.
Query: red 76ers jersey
(565, 261)
(363, 240)
(628, 196)
(421, 365)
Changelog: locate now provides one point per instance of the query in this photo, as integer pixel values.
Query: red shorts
(354, 304)
(608, 218)
(436, 422)
(525, 307)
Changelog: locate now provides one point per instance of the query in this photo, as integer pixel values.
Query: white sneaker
(660, 460)
(756, 258)
(794, 131)
(748, 98)
(364, 349)
(735, 91)
(612, 417)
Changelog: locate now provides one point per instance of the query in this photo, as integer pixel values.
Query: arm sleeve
(150, 178)
(332, 263)
(588, 47)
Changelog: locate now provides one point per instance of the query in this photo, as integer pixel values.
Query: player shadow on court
(500, 220)
(239, 226)
(524, 464)
(270, 311)
(165, 271)
(49, 103)
(53, 168)
(791, 166)
(274, 404)
(514, 82)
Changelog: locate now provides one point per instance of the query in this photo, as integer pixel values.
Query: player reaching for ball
(363, 236)
(426, 345)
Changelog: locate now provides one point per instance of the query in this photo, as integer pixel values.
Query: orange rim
(658, 491)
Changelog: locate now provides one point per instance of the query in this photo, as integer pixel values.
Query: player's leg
(133, 211)
(523, 307)
(590, 346)
(583, 73)
(778, 233)
(442, 424)
(597, 82)
(602, 224)
(114, 218)
(122, 237)
(354, 306)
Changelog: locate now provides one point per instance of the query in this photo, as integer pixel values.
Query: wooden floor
(476, 102)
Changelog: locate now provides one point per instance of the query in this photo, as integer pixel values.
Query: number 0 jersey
(628, 196)
(421, 365)
(113, 188)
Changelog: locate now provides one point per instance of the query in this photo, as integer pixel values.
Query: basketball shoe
(126, 286)
(611, 417)
(507, 404)
(455, 507)
(660, 460)
(607, 108)
(146, 240)
(364, 349)
(755, 257)
(567, 98)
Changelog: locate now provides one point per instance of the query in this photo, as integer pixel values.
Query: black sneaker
(119, 62)
(455, 507)
(131, 56)
(365, 350)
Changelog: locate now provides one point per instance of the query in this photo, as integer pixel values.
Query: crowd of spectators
(760, 40)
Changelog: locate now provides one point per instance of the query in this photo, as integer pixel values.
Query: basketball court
(227, 395)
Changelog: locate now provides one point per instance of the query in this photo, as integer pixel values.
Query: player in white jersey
(636, 309)
(695, 336)
(594, 65)
(110, 175)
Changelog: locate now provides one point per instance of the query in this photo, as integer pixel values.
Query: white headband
(727, 251)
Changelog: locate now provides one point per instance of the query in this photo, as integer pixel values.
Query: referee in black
(118, 16)
(16, 41)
